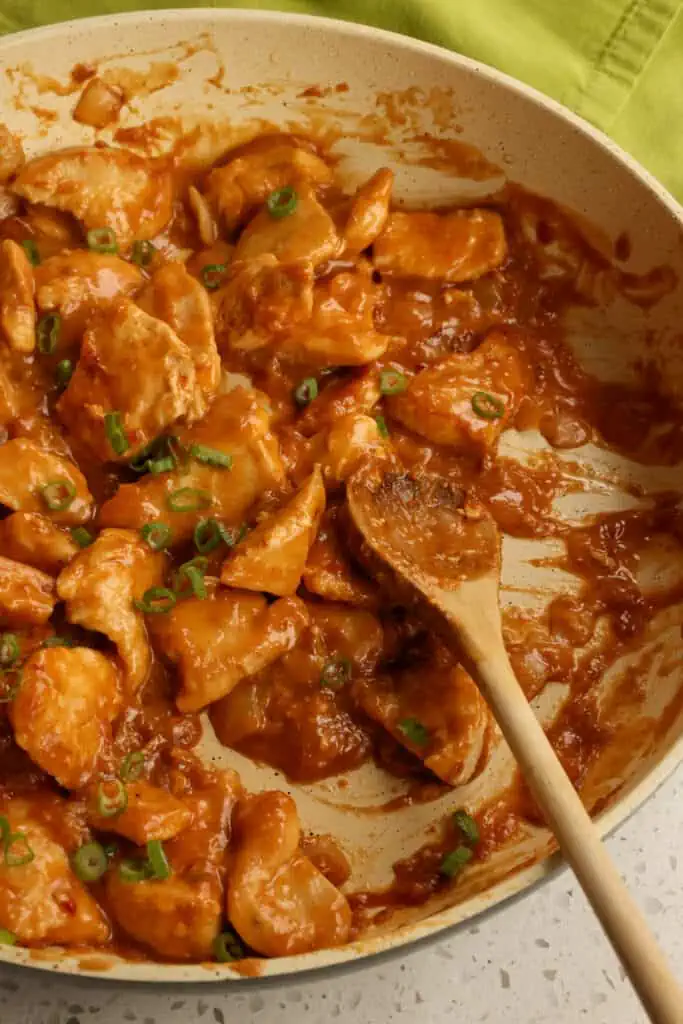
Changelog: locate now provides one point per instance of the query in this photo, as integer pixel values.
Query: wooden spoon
(447, 552)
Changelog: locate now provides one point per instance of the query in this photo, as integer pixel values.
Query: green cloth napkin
(618, 63)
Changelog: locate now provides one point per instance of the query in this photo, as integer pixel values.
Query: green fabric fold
(618, 63)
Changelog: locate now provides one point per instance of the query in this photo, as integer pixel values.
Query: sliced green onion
(4, 828)
(227, 947)
(192, 572)
(57, 641)
(8, 694)
(18, 850)
(156, 457)
(282, 202)
(132, 766)
(142, 253)
(488, 406)
(31, 250)
(163, 465)
(116, 434)
(9, 649)
(466, 824)
(414, 731)
(156, 601)
(212, 275)
(112, 798)
(102, 240)
(58, 494)
(382, 426)
(392, 382)
(90, 862)
(336, 672)
(306, 391)
(82, 537)
(208, 535)
(47, 333)
(158, 861)
(157, 535)
(64, 372)
(455, 861)
(211, 456)
(7, 938)
(188, 499)
(134, 870)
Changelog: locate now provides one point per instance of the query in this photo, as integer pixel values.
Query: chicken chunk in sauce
(451, 247)
(27, 595)
(33, 479)
(17, 302)
(33, 539)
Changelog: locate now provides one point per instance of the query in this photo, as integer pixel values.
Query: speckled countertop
(542, 959)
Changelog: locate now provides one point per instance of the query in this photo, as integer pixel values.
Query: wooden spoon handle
(580, 843)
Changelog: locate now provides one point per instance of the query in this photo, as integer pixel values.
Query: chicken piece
(134, 365)
(258, 168)
(330, 574)
(351, 440)
(307, 233)
(280, 904)
(100, 586)
(103, 188)
(180, 917)
(180, 301)
(33, 479)
(151, 813)
(42, 901)
(369, 212)
(457, 246)
(27, 596)
(33, 539)
(63, 711)
(273, 556)
(239, 425)
(73, 284)
(296, 714)
(217, 641)
(11, 153)
(261, 300)
(17, 306)
(466, 400)
(340, 331)
(434, 710)
(357, 394)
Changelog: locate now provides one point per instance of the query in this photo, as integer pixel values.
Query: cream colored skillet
(444, 553)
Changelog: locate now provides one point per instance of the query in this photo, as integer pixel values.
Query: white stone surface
(542, 959)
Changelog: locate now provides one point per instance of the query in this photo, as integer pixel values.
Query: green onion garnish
(158, 861)
(7, 938)
(227, 947)
(58, 494)
(466, 824)
(488, 406)
(382, 426)
(336, 672)
(192, 572)
(116, 434)
(306, 391)
(414, 731)
(64, 372)
(188, 499)
(47, 333)
(112, 798)
(282, 202)
(102, 240)
(211, 456)
(90, 862)
(4, 828)
(132, 766)
(142, 253)
(392, 382)
(208, 535)
(134, 870)
(57, 641)
(156, 601)
(18, 850)
(212, 275)
(31, 250)
(9, 649)
(82, 537)
(157, 535)
(455, 861)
